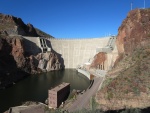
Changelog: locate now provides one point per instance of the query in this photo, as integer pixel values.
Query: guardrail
(84, 72)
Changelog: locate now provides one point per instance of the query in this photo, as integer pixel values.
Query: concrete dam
(75, 52)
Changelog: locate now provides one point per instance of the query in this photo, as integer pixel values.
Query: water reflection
(35, 87)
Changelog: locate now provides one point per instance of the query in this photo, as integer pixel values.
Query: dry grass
(134, 75)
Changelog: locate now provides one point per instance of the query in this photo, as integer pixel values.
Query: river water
(35, 87)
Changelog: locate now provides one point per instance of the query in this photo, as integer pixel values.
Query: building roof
(59, 87)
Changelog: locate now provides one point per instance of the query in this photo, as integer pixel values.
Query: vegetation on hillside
(135, 74)
(137, 110)
(128, 84)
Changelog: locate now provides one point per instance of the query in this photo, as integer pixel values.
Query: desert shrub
(107, 82)
(131, 111)
(93, 104)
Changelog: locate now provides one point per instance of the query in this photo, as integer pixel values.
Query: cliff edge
(14, 61)
(10, 25)
(127, 84)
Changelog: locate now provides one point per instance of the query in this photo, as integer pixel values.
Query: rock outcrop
(13, 59)
(15, 26)
(10, 25)
(15, 63)
(48, 61)
(17, 51)
(134, 31)
(127, 84)
(99, 59)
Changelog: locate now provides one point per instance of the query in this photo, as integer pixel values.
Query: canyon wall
(15, 61)
(134, 31)
(127, 85)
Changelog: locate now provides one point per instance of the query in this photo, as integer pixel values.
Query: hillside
(127, 85)
(15, 63)
(10, 25)
(42, 34)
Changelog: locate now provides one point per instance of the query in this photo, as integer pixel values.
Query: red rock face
(14, 64)
(134, 31)
(18, 51)
(13, 25)
(98, 59)
(12, 51)
(9, 71)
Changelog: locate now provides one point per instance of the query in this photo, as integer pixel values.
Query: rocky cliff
(11, 60)
(127, 84)
(10, 25)
(14, 62)
(134, 31)
(98, 60)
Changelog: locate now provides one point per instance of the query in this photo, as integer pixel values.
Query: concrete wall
(32, 45)
(111, 57)
(77, 51)
(84, 72)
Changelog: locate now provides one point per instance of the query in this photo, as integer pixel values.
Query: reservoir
(35, 87)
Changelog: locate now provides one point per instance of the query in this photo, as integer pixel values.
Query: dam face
(74, 52)
(77, 51)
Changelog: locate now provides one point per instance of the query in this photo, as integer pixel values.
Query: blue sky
(72, 18)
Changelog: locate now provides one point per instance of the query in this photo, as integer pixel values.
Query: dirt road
(82, 101)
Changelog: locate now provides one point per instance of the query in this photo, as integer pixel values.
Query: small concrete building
(58, 95)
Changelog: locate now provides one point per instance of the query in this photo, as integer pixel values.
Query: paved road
(82, 101)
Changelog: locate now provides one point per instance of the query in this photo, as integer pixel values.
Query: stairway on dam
(109, 47)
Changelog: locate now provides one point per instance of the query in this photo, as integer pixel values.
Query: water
(35, 87)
